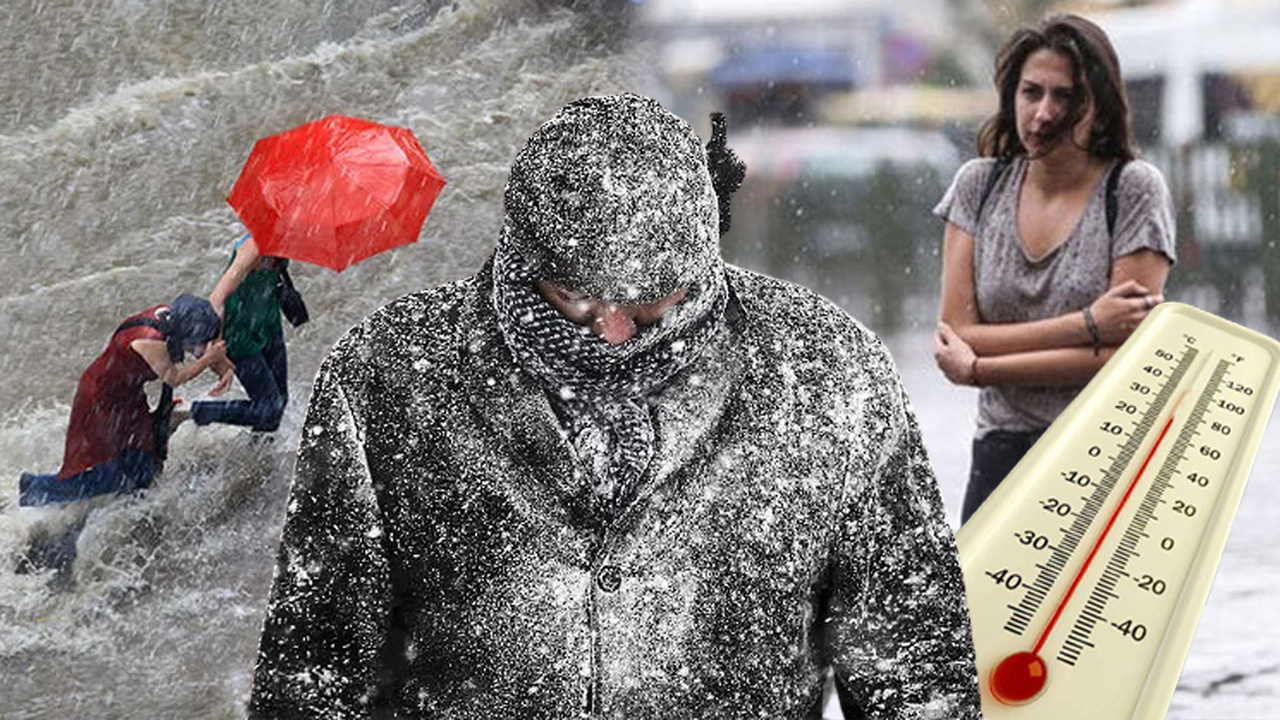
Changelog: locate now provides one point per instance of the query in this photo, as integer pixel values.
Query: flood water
(119, 141)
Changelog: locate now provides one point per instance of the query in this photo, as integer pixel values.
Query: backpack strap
(1112, 190)
(1113, 204)
(996, 171)
(140, 322)
(291, 303)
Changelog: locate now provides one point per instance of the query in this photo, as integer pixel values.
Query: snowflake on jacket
(447, 552)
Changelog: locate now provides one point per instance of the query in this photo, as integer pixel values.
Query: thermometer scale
(1087, 569)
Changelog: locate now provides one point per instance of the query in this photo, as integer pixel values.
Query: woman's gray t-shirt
(1012, 287)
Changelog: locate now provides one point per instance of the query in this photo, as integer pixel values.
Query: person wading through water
(114, 442)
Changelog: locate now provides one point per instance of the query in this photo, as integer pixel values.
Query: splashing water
(115, 158)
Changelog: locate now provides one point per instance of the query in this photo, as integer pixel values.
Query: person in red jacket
(112, 440)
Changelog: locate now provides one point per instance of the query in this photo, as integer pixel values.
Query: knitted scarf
(600, 391)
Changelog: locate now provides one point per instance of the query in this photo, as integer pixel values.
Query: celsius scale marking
(1087, 569)
(1062, 551)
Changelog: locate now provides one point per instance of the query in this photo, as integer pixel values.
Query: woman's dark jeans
(265, 377)
(994, 455)
(130, 470)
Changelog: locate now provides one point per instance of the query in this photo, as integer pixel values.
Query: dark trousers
(994, 455)
(265, 377)
(130, 470)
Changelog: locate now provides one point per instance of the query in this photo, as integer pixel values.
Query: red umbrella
(335, 191)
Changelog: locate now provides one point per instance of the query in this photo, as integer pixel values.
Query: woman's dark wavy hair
(1096, 68)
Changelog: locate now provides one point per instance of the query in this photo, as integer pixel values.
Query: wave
(115, 203)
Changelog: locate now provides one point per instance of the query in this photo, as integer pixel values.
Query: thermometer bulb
(1019, 678)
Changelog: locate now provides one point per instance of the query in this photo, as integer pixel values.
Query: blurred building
(1199, 69)
(777, 63)
(845, 112)
(1204, 82)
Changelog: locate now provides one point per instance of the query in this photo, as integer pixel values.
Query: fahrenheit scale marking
(1086, 570)
(1136, 531)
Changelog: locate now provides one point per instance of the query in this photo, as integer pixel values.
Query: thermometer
(1087, 569)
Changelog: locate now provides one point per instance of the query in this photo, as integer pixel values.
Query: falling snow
(785, 519)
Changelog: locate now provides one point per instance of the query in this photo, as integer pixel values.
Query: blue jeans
(265, 377)
(130, 470)
(994, 455)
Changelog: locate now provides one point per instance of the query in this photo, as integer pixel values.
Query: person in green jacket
(247, 300)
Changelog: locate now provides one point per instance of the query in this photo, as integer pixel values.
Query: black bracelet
(1092, 327)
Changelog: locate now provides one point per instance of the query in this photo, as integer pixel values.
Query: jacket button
(610, 578)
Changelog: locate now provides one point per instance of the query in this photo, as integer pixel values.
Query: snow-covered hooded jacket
(443, 556)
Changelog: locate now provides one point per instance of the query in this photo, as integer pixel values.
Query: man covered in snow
(610, 476)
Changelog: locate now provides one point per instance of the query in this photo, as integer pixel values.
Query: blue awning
(809, 66)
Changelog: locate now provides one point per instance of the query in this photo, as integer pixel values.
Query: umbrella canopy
(335, 191)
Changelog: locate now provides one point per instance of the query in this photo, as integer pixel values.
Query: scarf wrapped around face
(601, 391)
(611, 198)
